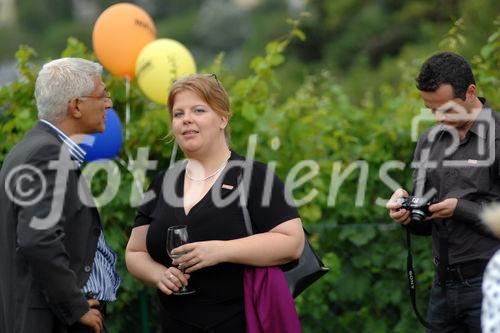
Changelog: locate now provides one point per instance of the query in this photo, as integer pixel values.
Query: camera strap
(412, 283)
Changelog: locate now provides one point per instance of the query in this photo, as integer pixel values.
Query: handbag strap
(243, 203)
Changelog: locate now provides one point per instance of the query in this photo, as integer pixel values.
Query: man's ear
(471, 92)
(73, 109)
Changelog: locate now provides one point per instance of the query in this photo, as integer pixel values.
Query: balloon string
(127, 107)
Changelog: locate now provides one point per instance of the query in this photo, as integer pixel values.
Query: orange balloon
(120, 33)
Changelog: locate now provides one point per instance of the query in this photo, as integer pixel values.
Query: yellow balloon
(159, 64)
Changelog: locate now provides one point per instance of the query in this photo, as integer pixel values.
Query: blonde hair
(207, 87)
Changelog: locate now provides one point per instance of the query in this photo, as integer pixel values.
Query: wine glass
(177, 235)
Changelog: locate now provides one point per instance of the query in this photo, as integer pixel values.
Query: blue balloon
(105, 145)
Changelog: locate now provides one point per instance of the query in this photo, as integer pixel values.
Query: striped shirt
(103, 281)
(77, 153)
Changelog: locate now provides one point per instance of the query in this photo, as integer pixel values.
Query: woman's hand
(171, 280)
(199, 255)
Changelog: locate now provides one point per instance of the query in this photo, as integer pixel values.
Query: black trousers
(459, 310)
(43, 319)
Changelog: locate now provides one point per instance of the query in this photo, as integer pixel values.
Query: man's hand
(443, 209)
(399, 215)
(93, 317)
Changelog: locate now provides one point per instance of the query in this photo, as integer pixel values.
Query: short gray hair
(59, 81)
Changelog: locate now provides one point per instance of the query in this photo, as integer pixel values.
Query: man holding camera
(456, 174)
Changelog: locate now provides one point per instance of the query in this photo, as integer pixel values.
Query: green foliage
(366, 288)
(363, 41)
(17, 105)
(488, 64)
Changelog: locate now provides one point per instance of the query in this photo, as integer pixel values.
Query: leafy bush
(366, 288)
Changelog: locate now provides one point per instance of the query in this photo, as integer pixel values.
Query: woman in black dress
(197, 193)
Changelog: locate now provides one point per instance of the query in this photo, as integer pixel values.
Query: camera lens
(417, 215)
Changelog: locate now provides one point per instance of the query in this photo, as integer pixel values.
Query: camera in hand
(418, 207)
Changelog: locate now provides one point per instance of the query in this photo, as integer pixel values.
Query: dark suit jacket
(42, 271)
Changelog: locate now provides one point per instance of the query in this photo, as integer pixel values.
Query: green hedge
(366, 288)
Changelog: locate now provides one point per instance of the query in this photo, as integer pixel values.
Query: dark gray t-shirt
(467, 170)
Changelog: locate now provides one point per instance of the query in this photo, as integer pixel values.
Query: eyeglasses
(107, 95)
(214, 76)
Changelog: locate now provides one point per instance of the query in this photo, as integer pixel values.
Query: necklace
(209, 176)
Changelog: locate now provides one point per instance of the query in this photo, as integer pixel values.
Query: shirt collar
(75, 150)
(484, 118)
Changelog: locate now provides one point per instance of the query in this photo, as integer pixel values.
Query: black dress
(219, 288)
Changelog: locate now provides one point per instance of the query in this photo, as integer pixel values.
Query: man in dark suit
(56, 270)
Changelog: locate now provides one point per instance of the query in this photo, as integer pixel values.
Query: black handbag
(300, 273)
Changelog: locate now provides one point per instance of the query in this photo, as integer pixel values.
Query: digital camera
(418, 207)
